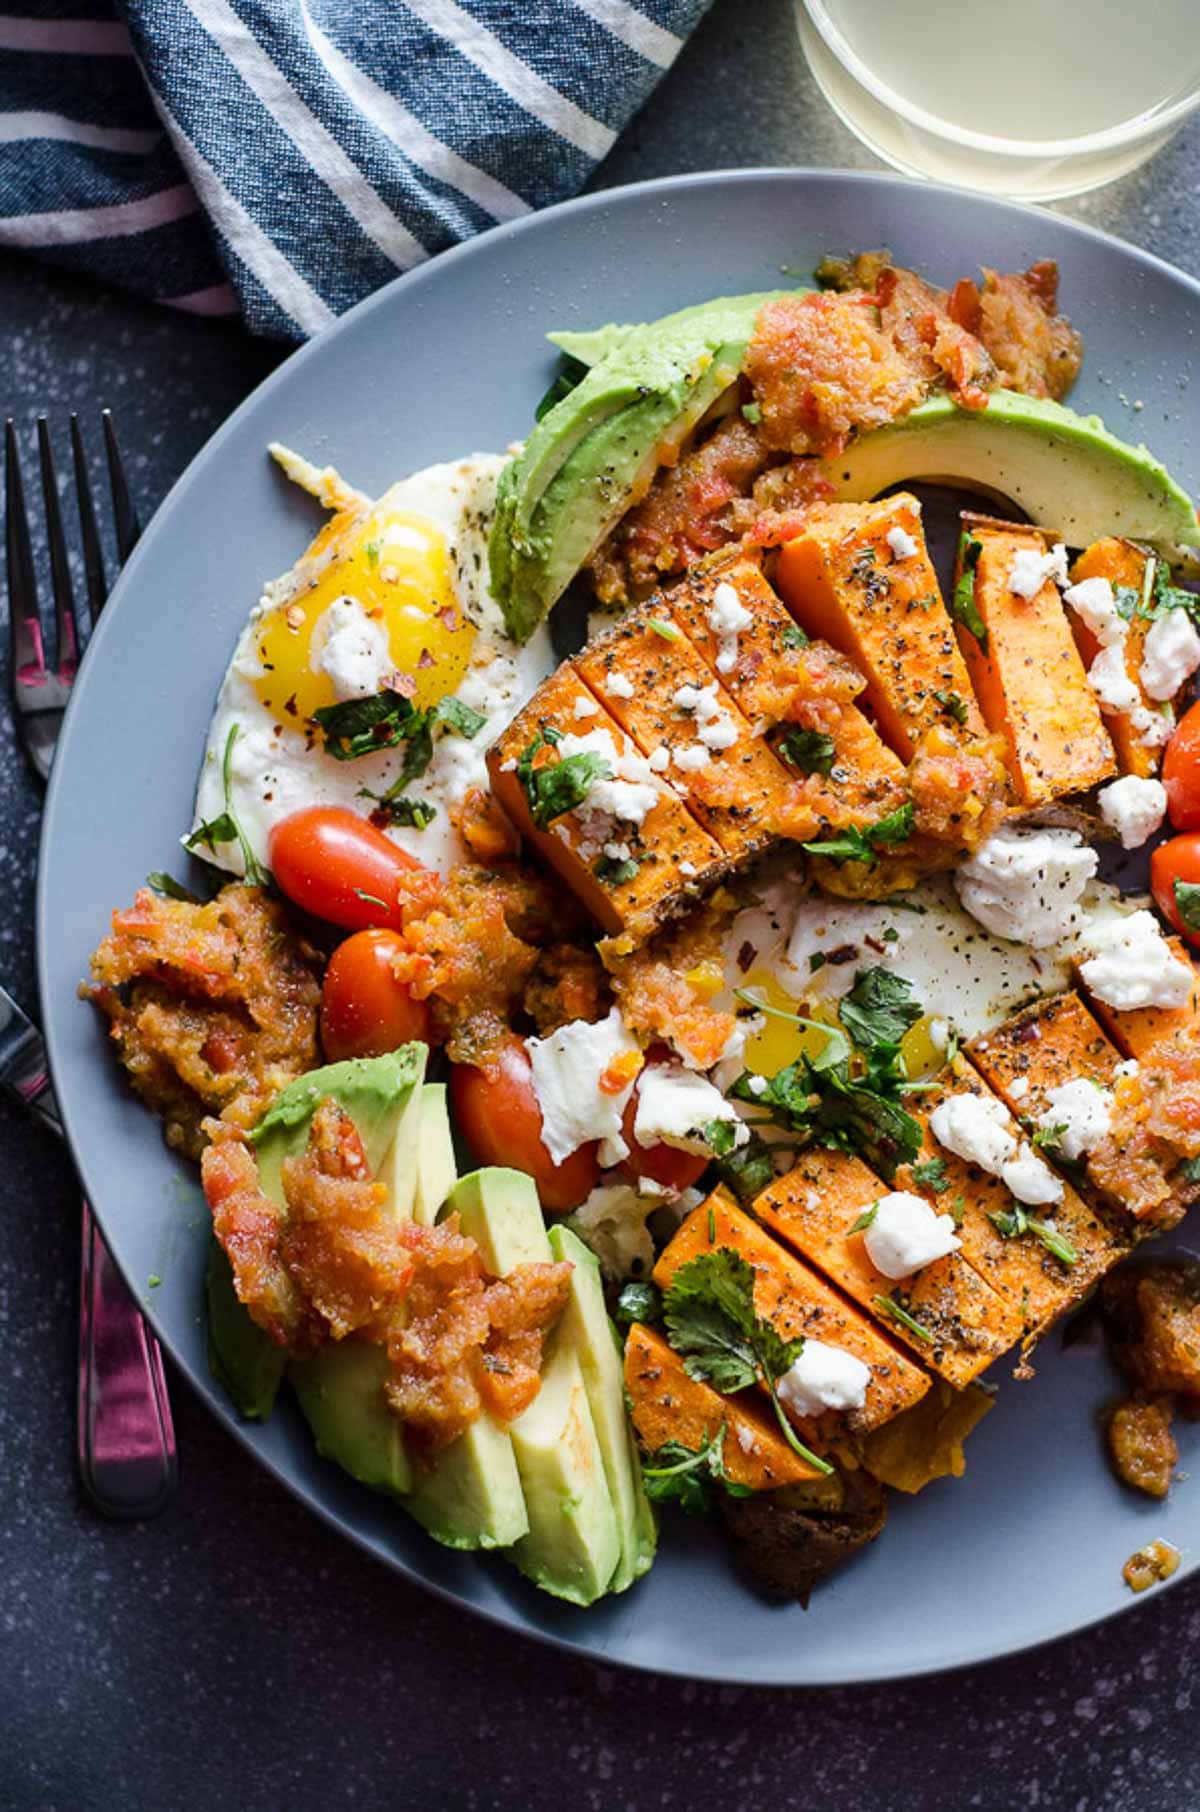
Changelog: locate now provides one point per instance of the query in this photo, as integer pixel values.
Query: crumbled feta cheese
(1031, 569)
(688, 869)
(675, 1105)
(757, 1085)
(902, 544)
(617, 852)
(1129, 1067)
(1079, 1113)
(715, 727)
(1153, 728)
(617, 686)
(1133, 807)
(1018, 1088)
(1170, 654)
(629, 794)
(976, 1128)
(1095, 604)
(939, 1034)
(1031, 1180)
(823, 1377)
(585, 707)
(1109, 679)
(1131, 965)
(746, 1439)
(727, 617)
(567, 1067)
(659, 759)
(351, 648)
(612, 1222)
(907, 1234)
(691, 758)
(1025, 884)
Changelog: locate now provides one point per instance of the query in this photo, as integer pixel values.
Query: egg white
(275, 771)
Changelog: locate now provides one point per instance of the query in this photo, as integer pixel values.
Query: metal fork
(126, 1437)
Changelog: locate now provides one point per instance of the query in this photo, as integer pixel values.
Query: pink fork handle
(126, 1436)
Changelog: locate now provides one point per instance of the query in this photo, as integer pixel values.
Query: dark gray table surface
(233, 1653)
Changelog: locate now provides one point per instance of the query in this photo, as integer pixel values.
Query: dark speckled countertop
(234, 1654)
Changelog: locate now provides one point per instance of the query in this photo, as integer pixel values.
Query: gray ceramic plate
(1031, 1543)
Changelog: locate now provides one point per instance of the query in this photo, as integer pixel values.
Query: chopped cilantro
(880, 1008)
(560, 786)
(637, 1302)
(226, 828)
(1187, 902)
(953, 703)
(748, 1170)
(667, 631)
(895, 1311)
(962, 600)
(810, 751)
(794, 637)
(399, 809)
(719, 1136)
(866, 1219)
(614, 871)
(931, 1175)
(752, 412)
(170, 888)
(1014, 1222)
(686, 1476)
(363, 726)
(854, 845)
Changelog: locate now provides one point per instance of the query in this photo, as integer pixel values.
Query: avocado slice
(437, 1172)
(1064, 471)
(244, 1360)
(574, 1545)
(594, 453)
(340, 1390)
(585, 1326)
(591, 344)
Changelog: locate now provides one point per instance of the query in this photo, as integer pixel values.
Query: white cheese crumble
(612, 1222)
(691, 758)
(617, 686)
(627, 796)
(907, 1234)
(1025, 884)
(1079, 1113)
(1153, 728)
(675, 1105)
(1131, 965)
(902, 544)
(1133, 807)
(1030, 570)
(567, 1067)
(715, 727)
(979, 1130)
(757, 1085)
(1094, 603)
(351, 649)
(823, 1377)
(1170, 654)
(1018, 1088)
(659, 759)
(585, 707)
(1109, 679)
(727, 617)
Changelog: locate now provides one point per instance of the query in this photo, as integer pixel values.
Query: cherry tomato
(365, 1011)
(500, 1119)
(1181, 773)
(338, 867)
(1178, 860)
(660, 1163)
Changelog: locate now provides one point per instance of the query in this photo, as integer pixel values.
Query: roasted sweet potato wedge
(1121, 563)
(667, 1405)
(1027, 672)
(843, 582)
(954, 1321)
(676, 860)
(788, 1293)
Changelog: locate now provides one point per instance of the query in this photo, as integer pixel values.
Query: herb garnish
(614, 871)
(836, 1048)
(1187, 903)
(895, 1311)
(830, 1107)
(748, 1170)
(1047, 1138)
(811, 751)
(400, 809)
(363, 726)
(752, 413)
(560, 786)
(880, 1008)
(872, 578)
(1189, 1170)
(711, 1320)
(954, 703)
(719, 1136)
(931, 1175)
(637, 1302)
(1156, 596)
(226, 828)
(1015, 1222)
(866, 1219)
(792, 636)
(854, 845)
(685, 1476)
(172, 889)
(371, 899)
(667, 631)
(963, 607)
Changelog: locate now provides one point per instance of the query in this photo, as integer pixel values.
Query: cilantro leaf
(880, 1008)
(667, 631)
(614, 871)
(1015, 1222)
(637, 1302)
(931, 1175)
(686, 1476)
(963, 607)
(844, 1113)
(719, 1136)
(1187, 901)
(559, 786)
(954, 704)
(226, 828)
(809, 751)
(854, 845)
(895, 1311)
(866, 1219)
(363, 726)
(452, 714)
(748, 1170)
(836, 1048)
(792, 636)
(170, 888)
(398, 808)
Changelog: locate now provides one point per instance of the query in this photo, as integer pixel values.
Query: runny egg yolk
(397, 566)
(779, 1042)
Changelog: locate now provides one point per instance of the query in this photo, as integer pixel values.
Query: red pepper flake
(402, 683)
(426, 659)
(449, 617)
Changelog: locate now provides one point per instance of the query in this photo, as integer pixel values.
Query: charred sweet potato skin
(1029, 678)
(814, 1207)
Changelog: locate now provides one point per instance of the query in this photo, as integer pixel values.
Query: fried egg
(391, 596)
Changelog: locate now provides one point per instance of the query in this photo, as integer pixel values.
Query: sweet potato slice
(1121, 563)
(1028, 675)
(842, 582)
(667, 1405)
(637, 670)
(964, 1323)
(676, 859)
(1137, 1033)
(1040, 1286)
(790, 1295)
(784, 683)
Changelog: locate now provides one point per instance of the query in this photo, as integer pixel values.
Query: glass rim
(1142, 125)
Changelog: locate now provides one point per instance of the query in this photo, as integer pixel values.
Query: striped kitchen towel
(283, 158)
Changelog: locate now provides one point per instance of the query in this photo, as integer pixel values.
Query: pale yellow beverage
(1040, 98)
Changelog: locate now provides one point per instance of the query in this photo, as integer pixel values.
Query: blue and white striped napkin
(283, 158)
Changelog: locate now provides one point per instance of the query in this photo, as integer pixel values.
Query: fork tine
(26, 660)
(128, 526)
(93, 556)
(66, 628)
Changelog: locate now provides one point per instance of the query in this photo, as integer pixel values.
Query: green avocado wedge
(1064, 471)
(594, 453)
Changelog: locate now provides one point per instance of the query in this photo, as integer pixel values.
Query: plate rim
(287, 372)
